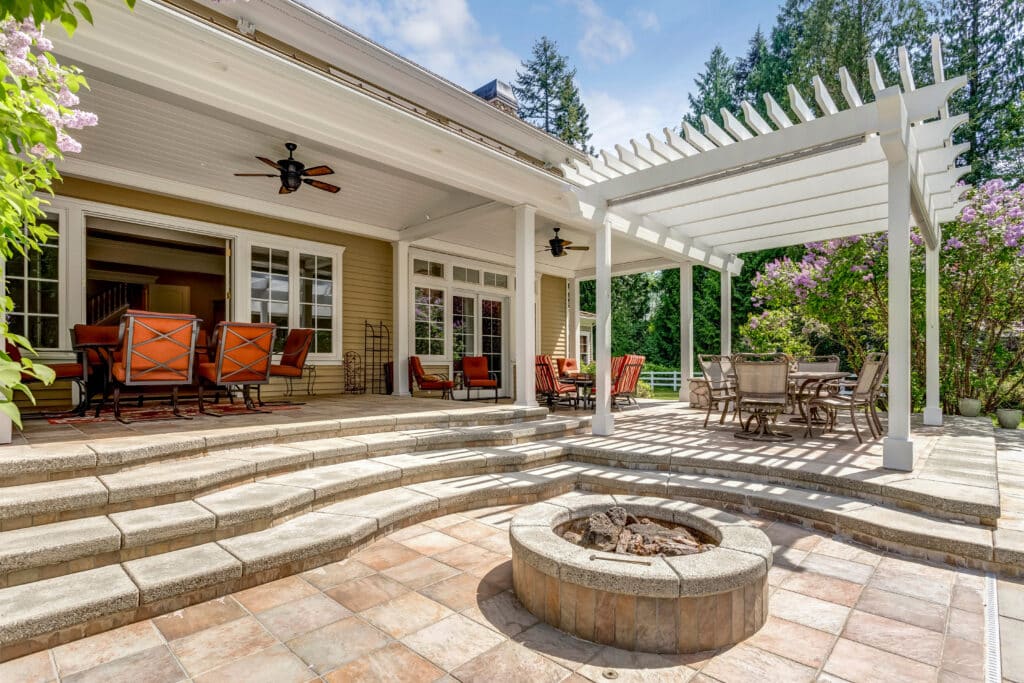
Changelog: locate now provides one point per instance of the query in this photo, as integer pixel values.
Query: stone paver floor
(434, 602)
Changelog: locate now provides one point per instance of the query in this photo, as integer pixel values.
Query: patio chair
(813, 364)
(549, 386)
(864, 396)
(78, 373)
(626, 377)
(567, 367)
(155, 350)
(292, 364)
(242, 358)
(762, 388)
(425, 382)
(721, 384)
(477, 375)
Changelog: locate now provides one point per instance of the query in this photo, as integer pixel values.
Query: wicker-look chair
(762, 388)
(721, 384)
(864, 396)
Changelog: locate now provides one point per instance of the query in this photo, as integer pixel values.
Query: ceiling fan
(293, 173)
(557, 246)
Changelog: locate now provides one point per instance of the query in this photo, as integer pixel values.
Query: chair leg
(853, 419)
(117, 405)
(495, 395)
(174, 405)
(707, 416)
(725, 411)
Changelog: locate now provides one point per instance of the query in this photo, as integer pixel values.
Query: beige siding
(553, 323)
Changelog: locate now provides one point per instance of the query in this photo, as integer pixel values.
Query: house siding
(553, 322)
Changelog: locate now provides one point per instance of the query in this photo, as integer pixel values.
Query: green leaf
(83, 9)
(11, 410)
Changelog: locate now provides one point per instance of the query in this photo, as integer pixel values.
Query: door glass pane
(463, 326)
(491, 337)
(268, 290)
(33, 283)
(316, 299)
(429, 321)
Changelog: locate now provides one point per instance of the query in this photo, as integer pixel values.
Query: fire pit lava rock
(710, 597)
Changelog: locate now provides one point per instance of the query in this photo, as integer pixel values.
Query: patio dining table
(811, 383)
(105, 353)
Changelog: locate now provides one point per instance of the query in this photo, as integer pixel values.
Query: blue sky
(636, 61)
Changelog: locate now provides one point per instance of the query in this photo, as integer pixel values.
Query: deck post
(685, 329)
(604, 421)
(400, 315)
(933, 405)
(726, 312)
(525, 327)
(574, 319)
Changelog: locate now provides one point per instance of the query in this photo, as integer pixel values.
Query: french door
(478, 329)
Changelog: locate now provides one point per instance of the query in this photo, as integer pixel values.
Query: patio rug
(161, 412)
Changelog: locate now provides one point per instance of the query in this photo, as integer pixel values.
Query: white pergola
(755, 184)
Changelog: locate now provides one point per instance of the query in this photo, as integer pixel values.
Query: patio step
(54, 610)
(53, 461)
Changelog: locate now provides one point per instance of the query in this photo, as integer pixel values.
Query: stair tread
(159, 523)
(181, 571)
(57, 542)
(248, 502)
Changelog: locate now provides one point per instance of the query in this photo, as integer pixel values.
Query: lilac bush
(838, 291)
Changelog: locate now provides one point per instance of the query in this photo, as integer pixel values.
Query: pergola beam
(458, 219)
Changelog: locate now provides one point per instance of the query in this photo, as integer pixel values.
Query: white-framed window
(427, 267)
(586, 350)
(467, 275)
(429, 321)
(33, 283)
(498, 280)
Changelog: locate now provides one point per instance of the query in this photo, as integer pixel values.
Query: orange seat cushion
(208, 372)
(155, 376)
(441, 384)
(285, 371)
(472, 382)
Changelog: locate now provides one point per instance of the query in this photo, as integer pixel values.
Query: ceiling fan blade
(579, 248)
(566, 243)
(285, 190)
(320, 185)
(318, 170)
(257, 175)
(268, 162)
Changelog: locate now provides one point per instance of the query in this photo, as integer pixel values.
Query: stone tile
(392, 663)
(915, 586)
(744, 663)
(964, 658)
(848, 550)
(420, 572)
(792, 536)
(328, 647)
(274, 593)
(909, 610)
(470, 530)
(894, 636)
(497, 543)
(572, 653)
(220, 645)
(966, 625)
(838, 568)
(812, 612)
(510, 662)
(968, 598)
(1010, 595)
(37, 668)
(273, 665)
(205, 615)
(385, 554)
(1011, 634)
(639, 667)
(803, 644)
(301, 616)
(435, 642)
(406, 614)
(105, 647)
(460, 592)
(337, 573)
(824, 587)
(155, 665)
(431, 543)
(860, 663)
(503, 613)
(366, 592)
(472, 559)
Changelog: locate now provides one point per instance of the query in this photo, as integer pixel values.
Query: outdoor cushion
(153, 376)
(439, 384)
(285, 371)
(96, 334)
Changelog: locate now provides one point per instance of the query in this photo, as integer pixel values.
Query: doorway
(478, 329)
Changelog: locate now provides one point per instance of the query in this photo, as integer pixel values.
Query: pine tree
(537, 85)
(752, 70)
(571, 118)
(716, 89)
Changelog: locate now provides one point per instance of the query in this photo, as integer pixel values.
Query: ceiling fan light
(292, 181)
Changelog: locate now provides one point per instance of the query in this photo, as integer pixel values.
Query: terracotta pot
(1008, 418)
(970, 407)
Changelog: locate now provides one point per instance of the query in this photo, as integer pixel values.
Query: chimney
(499, 95)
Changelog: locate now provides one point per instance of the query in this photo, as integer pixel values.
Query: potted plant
(969, 407)
(1009, 418)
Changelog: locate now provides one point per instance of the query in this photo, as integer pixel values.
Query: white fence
(669, 380)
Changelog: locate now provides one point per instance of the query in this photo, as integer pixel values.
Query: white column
(685, 328)
(400, 315)
(726, 313)
(933, 406)
(898, 449)
(526, 306)
(604, 421)
(574, 319)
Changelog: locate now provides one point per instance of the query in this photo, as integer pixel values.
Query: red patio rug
(161, 412)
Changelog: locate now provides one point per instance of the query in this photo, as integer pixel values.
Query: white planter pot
(970, 407)
(1008, 418)
(6, 427)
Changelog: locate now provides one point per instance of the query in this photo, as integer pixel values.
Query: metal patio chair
(477, 375)
(242, 358)
(548, 384)
(762, 389)
(721, 384)
(864, 396)
(427, 382)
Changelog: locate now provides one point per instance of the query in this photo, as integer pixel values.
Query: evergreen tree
(753, 71)
(571, 118)
(716, 89)
(549, 97)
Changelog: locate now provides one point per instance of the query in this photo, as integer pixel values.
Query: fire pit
(641, 573)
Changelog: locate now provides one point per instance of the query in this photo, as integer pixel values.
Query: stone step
(50, 611)
(46, 462)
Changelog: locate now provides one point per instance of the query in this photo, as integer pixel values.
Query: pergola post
(726, 313)
(574, 318)
(604, 422)
(400, 314)
(933, 406)
(526, 305)
(685, 329)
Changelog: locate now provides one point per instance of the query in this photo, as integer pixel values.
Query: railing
(668, 379)
(114, 299)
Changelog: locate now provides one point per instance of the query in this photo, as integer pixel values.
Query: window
(316, 299)
(269, 278)
(470, 275)
(33, 283)
(425, 267)
(585, 348)
(463, 326)
(429, 321)
(496, 280)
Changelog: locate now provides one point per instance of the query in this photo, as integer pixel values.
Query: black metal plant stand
(376, 356)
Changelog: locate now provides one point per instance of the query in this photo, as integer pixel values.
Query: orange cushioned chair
(155, 349)
(99, 358)
(293, 360)
(548, 384)
(74, 372)
(567, 367)
(242, 357)
(476, 375)
(427, 382)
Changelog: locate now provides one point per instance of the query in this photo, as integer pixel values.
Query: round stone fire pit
(679, 604)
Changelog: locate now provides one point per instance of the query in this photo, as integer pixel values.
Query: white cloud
(647, 20)
(440, 35)
(605, 38)
(614, 120)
